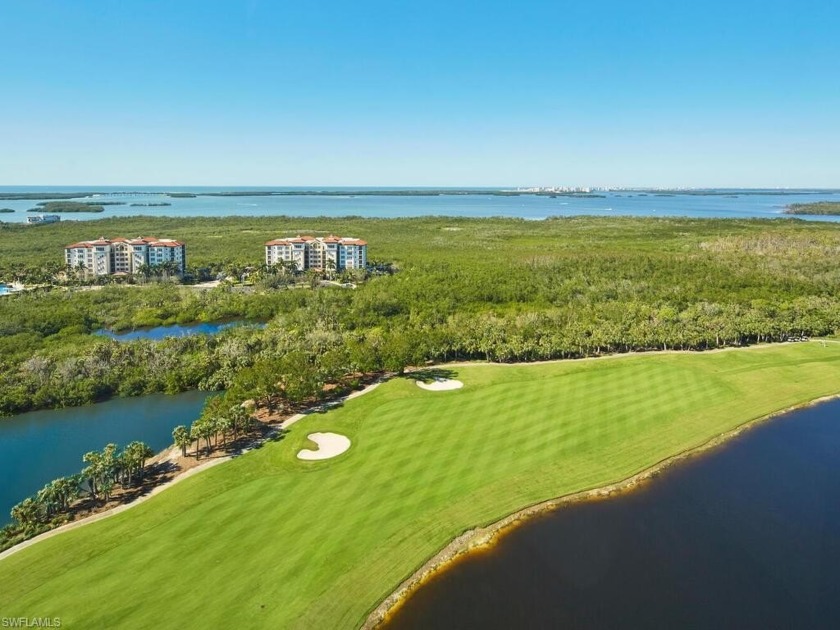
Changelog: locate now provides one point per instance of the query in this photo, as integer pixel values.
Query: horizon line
(127, 187)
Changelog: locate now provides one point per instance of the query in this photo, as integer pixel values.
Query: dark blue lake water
(747, 536)
(734, 203)
(40, 446)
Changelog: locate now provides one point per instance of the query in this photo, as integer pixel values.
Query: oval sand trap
(441, 385)
(329, 445)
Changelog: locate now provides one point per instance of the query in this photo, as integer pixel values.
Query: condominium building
(309, 252)
(104, 256)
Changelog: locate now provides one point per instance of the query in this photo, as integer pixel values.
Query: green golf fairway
(269, 541)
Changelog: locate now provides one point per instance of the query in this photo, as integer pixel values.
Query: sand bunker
(329, 445)
(441, 385)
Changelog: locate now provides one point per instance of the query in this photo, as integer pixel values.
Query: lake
(734, 204)
(746, 536)
(40, 446)
(161, 332)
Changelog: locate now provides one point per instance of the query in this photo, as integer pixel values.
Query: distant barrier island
(831, 208)
(68, 206)
(521, 203)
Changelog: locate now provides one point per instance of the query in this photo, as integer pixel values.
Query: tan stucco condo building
(309, 252)
(104, 257)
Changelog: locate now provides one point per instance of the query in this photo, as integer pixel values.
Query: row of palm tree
(110, 467)
(282, 273)
(217, 426)
(105, 470)
(286, 272)
(55, 273)
(53, 499)
(166, 270)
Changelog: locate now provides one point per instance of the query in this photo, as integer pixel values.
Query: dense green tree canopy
(490, 289)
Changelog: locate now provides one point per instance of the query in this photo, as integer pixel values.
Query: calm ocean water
(733, 204)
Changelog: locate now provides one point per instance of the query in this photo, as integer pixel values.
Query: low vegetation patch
(819, 207)
(68, 206)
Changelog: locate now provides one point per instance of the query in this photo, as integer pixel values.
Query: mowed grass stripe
(269, 541)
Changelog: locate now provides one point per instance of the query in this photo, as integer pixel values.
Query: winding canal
(162, 332)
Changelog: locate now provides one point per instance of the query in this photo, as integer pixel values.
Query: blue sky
(737, 93)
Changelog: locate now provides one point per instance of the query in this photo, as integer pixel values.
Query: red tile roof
(331, 239)
(145, 240)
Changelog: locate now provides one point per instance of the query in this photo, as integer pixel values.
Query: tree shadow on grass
(267, 434)
(154, 475)
(276, 436)
(432, 375)
(324, 407)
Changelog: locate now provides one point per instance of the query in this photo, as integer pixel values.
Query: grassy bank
(269, 541)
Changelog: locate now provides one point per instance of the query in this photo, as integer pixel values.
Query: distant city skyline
(315, 188)
(598, 94)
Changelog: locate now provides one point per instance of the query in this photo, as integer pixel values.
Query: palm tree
(55, 497)
(313, 276)
(208, 431)
(222, 424)
(144, 270)
(195, 435)
(182, 438)
(203, 428)
(48, 498)
(287, 267)
(233, 270)
(68, 489)
(27, 513)
(93, 471)
(135, 456)
(81, 270)
(170, 267)
(239, 419)
(106, 487)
